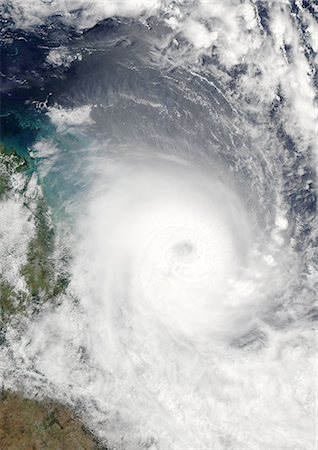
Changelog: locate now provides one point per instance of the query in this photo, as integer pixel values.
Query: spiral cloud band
(170, 242)
(177, 159)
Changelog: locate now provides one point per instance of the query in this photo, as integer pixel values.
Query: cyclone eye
(183, 251)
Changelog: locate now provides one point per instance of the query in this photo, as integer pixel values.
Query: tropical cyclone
(176, 156)
(168, 240)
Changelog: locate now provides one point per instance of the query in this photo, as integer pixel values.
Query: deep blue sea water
(176, 151)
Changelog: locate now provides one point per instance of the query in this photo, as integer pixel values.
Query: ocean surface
(175, 146)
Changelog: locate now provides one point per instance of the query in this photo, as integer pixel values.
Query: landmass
(26, 423)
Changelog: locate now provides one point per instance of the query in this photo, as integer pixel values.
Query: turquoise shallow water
(21, 129)
(146, 139)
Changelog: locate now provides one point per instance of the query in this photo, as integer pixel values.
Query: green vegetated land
(39, 272)
(44, 283)
(29, 424)
(11, 301)
(10, 163)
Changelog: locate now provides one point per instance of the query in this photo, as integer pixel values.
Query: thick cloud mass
(167, 241)
(178, 159)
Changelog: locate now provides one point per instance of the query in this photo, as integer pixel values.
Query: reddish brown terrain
(32, 425)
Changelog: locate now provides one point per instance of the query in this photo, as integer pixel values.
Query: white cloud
(67, 118)
(138, 352)
(82, 13)
(198, 34)
(17, 229)
(230, 28)
(131, 275)
(62, 57)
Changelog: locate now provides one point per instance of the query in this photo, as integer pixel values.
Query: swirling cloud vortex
(167, 243)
